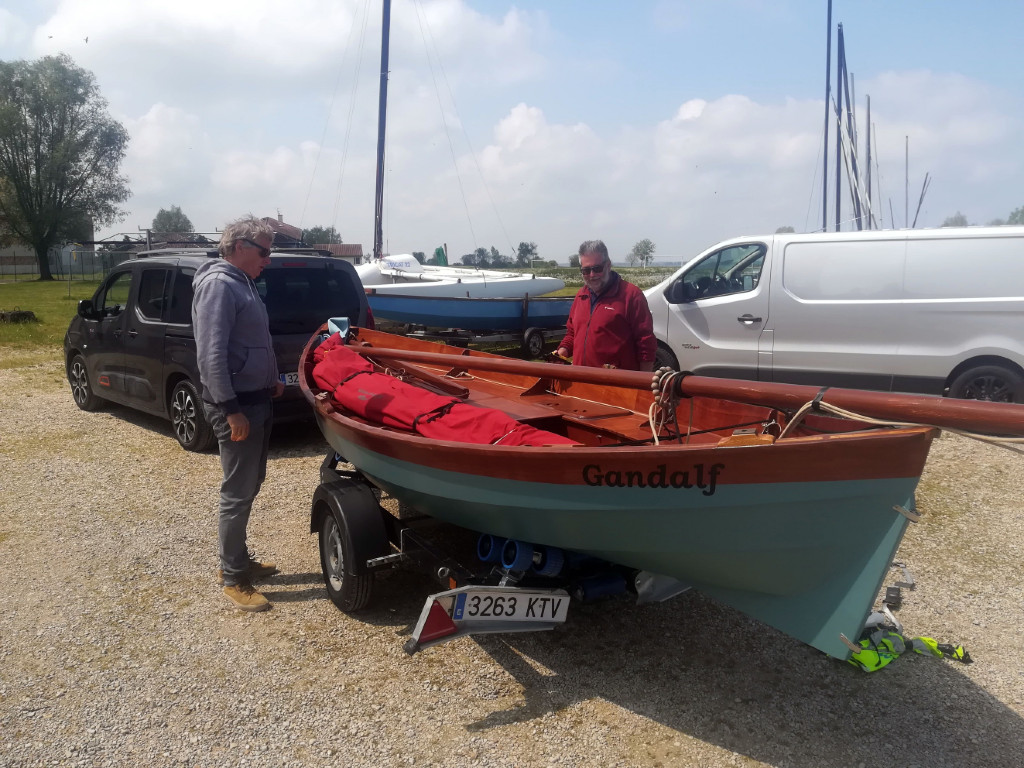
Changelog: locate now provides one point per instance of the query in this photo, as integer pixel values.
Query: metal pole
(828, 99)
(378, 213)
(840, 75)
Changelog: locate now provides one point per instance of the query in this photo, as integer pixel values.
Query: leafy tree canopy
(574, 260)
(320, 236)
(172, 225)
(642, 253)
(1017, 217)
(526, 253)
(420, 256)
(60, 152)
(956, 220)
(784, 229)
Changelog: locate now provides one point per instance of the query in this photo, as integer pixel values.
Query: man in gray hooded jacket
(238, 371)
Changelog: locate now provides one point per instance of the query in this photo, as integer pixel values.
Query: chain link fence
(71, 264)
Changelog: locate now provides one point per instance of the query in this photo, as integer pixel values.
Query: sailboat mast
(378, 213)
(828, 118)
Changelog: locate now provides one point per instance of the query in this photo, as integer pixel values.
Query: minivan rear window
(301, 299)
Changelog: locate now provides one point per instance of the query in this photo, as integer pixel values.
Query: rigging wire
(327, 123)
(351, 112)
(428, 34)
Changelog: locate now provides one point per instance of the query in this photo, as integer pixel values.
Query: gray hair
(595, 246)
(245, 228)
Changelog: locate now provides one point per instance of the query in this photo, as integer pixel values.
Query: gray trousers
(244, 464)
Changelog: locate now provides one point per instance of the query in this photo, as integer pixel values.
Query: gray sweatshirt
(233, 344)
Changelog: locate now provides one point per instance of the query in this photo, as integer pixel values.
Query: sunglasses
(264, 252)
(595, 270)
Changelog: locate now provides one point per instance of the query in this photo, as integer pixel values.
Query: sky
(683, 122)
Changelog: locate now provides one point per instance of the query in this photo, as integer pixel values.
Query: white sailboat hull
(404, 275)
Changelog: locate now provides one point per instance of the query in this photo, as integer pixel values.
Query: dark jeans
(245, 467)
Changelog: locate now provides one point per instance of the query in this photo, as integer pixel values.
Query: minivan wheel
(989, 382)
(663, 358)
(191, 428)
(81, 387)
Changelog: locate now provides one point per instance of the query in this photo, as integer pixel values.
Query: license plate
(290, 379)
(517, 605)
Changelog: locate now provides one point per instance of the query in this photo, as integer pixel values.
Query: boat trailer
(512, 586)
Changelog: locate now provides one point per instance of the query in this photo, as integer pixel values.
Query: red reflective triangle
(438, 624)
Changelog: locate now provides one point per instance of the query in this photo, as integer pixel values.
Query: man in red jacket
(610, 323)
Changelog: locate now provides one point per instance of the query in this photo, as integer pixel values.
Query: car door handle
(133, 333)
(748, 319)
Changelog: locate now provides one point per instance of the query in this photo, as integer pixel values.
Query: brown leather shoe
(246, 598)
(257, 570)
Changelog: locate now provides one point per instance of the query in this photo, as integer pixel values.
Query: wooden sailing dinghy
(792, 519)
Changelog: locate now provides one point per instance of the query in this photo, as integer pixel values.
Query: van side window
(180, 311)
(115, 295)
(736, 269)
(152, 293)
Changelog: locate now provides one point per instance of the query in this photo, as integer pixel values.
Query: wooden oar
(984, 417)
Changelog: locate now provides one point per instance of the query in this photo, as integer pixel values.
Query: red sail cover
(357, 388)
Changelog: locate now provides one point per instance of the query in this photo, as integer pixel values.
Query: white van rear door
(716, 311)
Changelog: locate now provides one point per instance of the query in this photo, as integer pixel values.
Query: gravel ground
(117, 648)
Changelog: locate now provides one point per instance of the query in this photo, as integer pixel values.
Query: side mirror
(86, 309)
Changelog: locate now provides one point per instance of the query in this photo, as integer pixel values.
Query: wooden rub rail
(1003, 419)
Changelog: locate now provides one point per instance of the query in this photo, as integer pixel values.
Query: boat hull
(799, 536)
(481, 314)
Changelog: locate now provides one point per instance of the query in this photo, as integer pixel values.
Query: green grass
(20, 343)
(642, 277)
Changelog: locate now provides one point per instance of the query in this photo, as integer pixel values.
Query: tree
(420, 256)
(784, 229)
(642, 253)
(526, 253)
(60, 152)
(574, 261)
(320, 236)
(1017, 217)
(956, 220)
(173, 225)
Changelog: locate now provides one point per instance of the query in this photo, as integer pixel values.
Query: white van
(938, 311)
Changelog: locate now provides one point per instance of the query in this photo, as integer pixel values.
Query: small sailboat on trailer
(785, 502)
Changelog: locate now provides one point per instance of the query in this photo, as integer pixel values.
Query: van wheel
(989, 382)
(81, 387)
(191, 428)
(663, 358)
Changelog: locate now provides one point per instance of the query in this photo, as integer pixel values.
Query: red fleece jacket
(616, 329)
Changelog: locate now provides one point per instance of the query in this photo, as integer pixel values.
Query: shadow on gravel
(711, 673)
(291, 439)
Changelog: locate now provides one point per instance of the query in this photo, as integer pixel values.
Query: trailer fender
(357, 512)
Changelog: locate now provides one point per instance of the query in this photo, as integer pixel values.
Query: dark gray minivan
(132, 343)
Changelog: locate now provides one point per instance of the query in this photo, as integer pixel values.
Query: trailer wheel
(351, 528)
(533, 342)
(989, 382)
(349, 591)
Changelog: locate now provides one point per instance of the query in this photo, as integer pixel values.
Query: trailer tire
(351, 531)
(533, 342)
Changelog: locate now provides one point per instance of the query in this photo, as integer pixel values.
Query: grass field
(22, 343)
